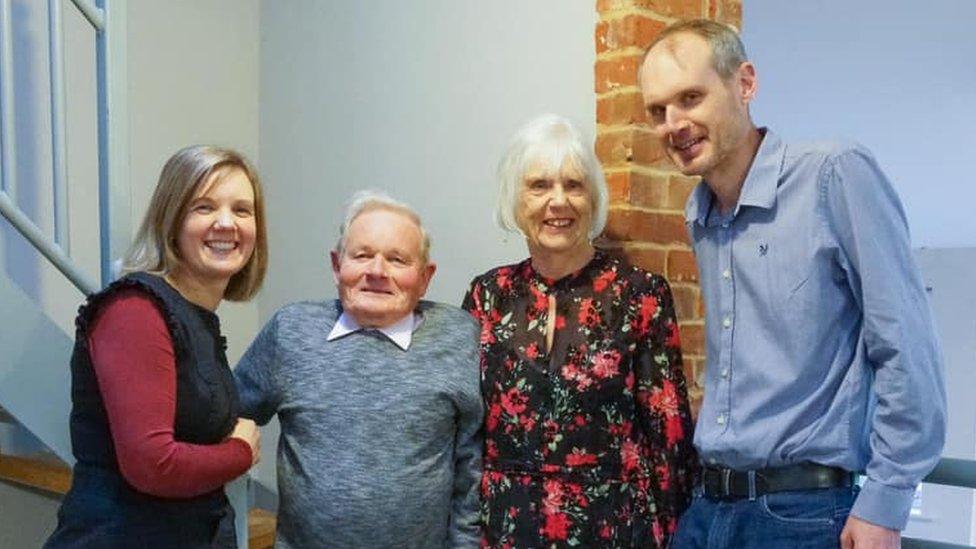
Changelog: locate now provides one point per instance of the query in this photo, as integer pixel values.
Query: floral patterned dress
(588, 445)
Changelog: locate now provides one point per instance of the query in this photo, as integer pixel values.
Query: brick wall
(647, 196)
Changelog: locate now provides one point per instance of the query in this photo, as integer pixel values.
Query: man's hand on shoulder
(860, 534)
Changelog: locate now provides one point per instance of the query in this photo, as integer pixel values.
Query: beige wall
(193, 78)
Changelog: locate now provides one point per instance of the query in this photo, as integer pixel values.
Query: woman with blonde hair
(588, 429)
(154, 420)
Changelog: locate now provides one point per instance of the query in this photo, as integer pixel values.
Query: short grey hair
(552, 139)
(728, 53)
(369, 200)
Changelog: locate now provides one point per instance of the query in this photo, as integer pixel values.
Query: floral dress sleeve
(663, 408)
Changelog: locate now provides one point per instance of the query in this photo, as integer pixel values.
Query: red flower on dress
(588, 315)
(673, 430)
(648, 308)
(605, 364)
(532, 351)
(664, 399)
(557, 527)
(494, 414)
(541, 300)
(604, 279)
(629, 456)
(580, 457)
(491, 450)
(504, 279)
(513, 401)
(488, 325)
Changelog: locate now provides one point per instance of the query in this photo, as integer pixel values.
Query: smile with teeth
(558, 223)
(685, 145)
(221, 245)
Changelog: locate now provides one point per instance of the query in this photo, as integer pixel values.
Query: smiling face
(217, 234)
(380, 272)
(555, 209)
(701, 119)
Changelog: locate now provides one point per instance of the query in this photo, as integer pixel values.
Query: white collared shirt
(400, 332)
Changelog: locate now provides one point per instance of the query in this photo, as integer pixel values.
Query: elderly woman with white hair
(588, 428)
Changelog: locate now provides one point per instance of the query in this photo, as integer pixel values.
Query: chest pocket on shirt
(778, 272)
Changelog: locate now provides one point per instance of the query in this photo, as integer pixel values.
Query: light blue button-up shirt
(820, 341)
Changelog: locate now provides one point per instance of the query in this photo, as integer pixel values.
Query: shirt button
(720, 419)
(725, 372)
(726, 274)
(727, 322)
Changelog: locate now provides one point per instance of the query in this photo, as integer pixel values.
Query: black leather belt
(723, 483)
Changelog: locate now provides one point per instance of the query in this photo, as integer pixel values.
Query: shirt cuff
(884, 505)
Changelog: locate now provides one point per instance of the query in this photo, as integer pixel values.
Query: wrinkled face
(700, 119)
(218, 232)
(381, 274)
(555, 208)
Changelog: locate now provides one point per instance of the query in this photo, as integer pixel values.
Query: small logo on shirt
(763, 248)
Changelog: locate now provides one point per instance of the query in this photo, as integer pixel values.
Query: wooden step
(42, 472)
(50, 474)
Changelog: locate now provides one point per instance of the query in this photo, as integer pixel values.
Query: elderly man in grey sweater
(377, 395)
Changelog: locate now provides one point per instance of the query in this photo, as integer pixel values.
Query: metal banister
(49, 249)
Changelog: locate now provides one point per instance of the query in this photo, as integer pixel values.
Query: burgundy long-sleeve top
(132, 351)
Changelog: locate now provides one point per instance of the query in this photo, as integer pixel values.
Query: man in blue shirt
(822, 355)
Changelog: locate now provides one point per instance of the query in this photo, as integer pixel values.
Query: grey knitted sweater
(379, 447)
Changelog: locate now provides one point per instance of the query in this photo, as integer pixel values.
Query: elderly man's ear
(427, 274)
(334, 255)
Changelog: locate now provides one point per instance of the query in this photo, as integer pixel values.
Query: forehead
(225, 179)
(383, 228)
(543, 166)
(676, 63)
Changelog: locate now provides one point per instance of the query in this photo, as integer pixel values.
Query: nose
(674, 120)
(225, 219)
(377, 266)
(558, 195)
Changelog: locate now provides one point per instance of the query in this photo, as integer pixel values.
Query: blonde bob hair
(154, 249)
(552, 140)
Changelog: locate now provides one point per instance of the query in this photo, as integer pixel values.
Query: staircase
(47, 473)
(35, 448)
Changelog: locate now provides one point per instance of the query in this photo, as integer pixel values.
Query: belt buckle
(726, 482)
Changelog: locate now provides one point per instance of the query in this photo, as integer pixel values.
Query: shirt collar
(400, 332)
(759, 188)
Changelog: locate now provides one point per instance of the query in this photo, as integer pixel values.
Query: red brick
(641, 226)
(682, 266)
(680, 9)
(692, 338)
(622, 108)
(616, 72)
(725, 11)
(688, 369)
(619, 147)
(649, 259)
(679, 188)
(632, 30)
(685, 301)
(648, 191)
(618, 184)
(637, 189)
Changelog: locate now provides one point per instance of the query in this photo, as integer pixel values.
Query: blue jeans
(808, 519)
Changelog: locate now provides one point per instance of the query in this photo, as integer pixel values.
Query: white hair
(368, 200)
(554, 140)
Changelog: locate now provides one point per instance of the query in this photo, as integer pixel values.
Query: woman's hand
(247, 431)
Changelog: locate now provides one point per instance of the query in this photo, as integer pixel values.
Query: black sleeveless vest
(207, 408)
